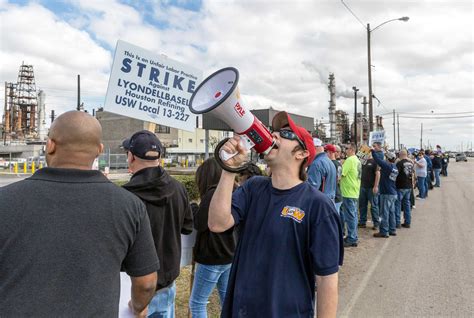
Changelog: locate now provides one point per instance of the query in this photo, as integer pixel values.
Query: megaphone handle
(226, 156)
(245, 142)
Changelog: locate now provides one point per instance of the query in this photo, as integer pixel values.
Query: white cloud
(283, 50)
(34, 35)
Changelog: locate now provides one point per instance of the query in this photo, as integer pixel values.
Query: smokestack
(41, 115)
(52, 116)
(6, 114)
(332, 106)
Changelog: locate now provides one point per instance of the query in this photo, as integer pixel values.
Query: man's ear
(130, 157)
(101, 149)
(300, 155)
(50, 146)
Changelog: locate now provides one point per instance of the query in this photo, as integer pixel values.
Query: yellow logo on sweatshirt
(293, 213)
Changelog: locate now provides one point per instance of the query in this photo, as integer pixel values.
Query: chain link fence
(113, 161)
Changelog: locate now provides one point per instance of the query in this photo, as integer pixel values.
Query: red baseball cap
(282, 119)
(330, 148)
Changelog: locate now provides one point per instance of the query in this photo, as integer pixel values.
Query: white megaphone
(219, 95)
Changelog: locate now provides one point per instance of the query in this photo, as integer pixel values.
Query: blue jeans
(421, 183)
(404, 201)
(437, 172)
(205, 279)
(162, 304)
(387, 212)
(349, 208)
(398, 210)
(338, 207)
(367, 195)
(427, 182)
(341, 216)
(444, 170)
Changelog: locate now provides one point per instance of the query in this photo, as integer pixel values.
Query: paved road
(6, 179)
(425, 271)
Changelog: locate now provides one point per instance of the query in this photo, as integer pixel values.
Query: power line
(437, 114)
(427, 117)
(380, 104)
(430, 115)
(345, 5)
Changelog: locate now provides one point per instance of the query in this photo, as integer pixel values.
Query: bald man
(66, 232)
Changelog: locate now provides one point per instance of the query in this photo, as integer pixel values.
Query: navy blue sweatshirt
(388, 174)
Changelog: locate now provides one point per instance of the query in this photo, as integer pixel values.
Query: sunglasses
(290, 135)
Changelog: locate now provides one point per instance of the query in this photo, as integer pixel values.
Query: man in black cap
(168, 209)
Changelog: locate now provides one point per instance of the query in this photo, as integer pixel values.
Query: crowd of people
(265, 242)
(385, 182)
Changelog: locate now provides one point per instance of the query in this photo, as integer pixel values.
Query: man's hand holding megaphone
(219, 95)
(234, 146)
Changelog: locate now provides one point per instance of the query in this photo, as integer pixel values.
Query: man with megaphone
(289, 232)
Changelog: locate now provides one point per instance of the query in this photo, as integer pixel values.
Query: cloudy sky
(284, 51)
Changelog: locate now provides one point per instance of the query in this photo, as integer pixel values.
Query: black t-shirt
(65, 234)
(212, 248)
(437, 162)
(368, 174)
(405, 172)
(338, 187)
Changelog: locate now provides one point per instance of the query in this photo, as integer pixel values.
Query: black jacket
(170, 216)
(212, 248)
(437, 162)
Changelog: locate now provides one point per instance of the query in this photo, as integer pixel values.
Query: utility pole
(355, 114)
(78, 92)
(398, 131)
(394, 136)
(206, 144)
(421, 137)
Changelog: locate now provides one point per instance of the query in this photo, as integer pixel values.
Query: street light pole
(355, 114)
(369, 67)
(369, 63)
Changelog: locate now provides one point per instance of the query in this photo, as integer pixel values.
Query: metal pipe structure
(332, 107)
(41, 115)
